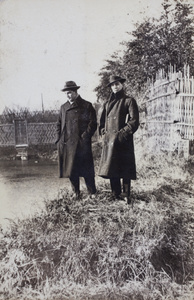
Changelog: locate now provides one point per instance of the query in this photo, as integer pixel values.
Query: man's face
(71, 95)
(116, 86)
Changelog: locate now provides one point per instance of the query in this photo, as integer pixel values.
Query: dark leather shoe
(120, 198)
(76, 196)
(128, 200)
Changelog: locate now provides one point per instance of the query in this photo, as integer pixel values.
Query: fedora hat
(70, 85)
(114, 78)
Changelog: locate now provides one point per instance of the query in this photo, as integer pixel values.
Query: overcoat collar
(67, 107)
(74, 105)
(113, 99)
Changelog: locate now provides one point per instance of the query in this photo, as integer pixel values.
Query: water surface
(24, 185)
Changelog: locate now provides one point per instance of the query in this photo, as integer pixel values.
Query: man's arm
(92, 125)
(102, 121)
(132, 123)
(58, 129)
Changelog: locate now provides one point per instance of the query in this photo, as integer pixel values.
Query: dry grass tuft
(97, 249)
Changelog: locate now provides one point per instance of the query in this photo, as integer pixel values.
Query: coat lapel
(111, 104)
(113, 100)
(74, 105)
(67, 106)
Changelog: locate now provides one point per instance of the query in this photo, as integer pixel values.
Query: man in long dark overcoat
(118, 122)
(75, 127)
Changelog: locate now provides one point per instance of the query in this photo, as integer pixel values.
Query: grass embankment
(101, 250)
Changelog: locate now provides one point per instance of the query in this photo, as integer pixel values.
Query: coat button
(114, 117)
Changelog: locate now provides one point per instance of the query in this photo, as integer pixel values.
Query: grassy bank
(96, 249)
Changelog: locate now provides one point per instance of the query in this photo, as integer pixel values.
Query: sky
(44, 43)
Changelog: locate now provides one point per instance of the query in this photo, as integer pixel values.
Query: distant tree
(155, 44)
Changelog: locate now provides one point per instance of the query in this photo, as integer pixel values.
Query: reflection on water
(24, 185)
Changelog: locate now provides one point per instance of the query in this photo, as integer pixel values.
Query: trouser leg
(90, 183)
(126, 187)
(61, 166)
(75, 184)
(115, 184)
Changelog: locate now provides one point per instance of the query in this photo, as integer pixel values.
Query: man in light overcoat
(75, 127)
(118, 122)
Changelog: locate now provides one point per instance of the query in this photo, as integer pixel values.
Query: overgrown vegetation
(46, 116)
(153, 45)
(102, 250)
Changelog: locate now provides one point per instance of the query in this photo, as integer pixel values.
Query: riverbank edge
(41, 152)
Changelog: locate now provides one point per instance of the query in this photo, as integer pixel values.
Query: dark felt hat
(70, 85)
(114, 78)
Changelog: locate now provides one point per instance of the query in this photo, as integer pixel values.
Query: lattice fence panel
(170, 110)
(7, 135)
(41, 133)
